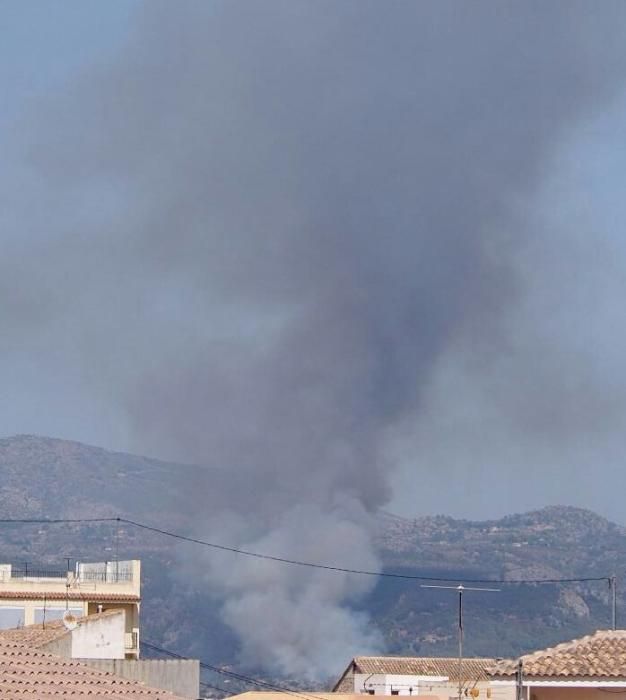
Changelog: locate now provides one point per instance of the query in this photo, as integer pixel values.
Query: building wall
(387, 684)
(180, 676)
(60, 647)
(577, 693)
(18, 613)
(102, 638)
(87, 582)
(131, 614)
(23, 595)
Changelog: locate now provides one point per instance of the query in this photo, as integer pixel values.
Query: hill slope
(44, 477)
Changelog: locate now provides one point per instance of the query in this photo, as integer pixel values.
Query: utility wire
(360, 572)
(231, 674)
(56, 521)
(215, 687)
(297, 562)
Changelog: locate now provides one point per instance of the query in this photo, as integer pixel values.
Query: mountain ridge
(50, 477)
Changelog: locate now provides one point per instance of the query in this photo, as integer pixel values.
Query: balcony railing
(131, 641)
(106, 576)
(25, 571)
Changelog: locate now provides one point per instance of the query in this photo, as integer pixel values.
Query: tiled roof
(30, 674)
(38, 635)
(92, 596)
(596, 656)
(471, 669)
(34, 635)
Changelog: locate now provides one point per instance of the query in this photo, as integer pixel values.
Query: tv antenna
(460, 589)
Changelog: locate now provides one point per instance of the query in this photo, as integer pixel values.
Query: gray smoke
(259, 231)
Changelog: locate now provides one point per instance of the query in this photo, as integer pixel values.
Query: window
(55, 613)
(11, 617)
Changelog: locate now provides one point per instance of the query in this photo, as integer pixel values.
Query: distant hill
(45, 477)
(551, 543)
(40, 475)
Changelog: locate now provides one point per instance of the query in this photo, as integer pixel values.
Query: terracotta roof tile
(38, 635)
(34, 635)
(30, 674)
(599, 655)
(472, 669)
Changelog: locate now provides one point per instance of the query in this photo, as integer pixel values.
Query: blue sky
(45, 44)
(292, 156)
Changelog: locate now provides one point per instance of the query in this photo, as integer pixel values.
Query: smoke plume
(258, 231)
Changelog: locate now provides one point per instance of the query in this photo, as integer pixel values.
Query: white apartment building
(29, 596)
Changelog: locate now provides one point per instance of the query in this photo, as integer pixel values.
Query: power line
(57, 521)
(361, 572)
(203, 684)
(215, 687)
(232, 674)
(297, 562)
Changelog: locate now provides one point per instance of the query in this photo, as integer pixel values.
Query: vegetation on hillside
(42, 477)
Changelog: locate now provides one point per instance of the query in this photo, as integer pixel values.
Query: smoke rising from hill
(262, 228)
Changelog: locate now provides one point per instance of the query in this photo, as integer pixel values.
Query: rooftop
(472, 669)
(597, 656)
(102, 572)
(38, 635)
(31, 674)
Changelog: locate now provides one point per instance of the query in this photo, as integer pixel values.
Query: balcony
(91, 578)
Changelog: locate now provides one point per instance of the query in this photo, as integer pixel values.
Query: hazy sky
(376, 242)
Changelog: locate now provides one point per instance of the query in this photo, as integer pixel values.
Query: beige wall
(29, 607)
(382, 684)
(577, 693)
(180, 676)
(100, 638)
(131, 614)
(59, 585)
(34, 590)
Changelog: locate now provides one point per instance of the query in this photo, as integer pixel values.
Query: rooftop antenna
(460, 589)
(613, 587)
(519, 681)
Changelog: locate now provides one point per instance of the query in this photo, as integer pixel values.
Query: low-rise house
(589, 668)
(99, 636)
(29, 595)
(414, 675)
(98, 641)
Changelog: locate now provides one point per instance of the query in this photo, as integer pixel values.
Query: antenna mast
(461, 589)
(613, 587)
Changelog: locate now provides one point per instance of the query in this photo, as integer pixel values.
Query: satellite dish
(70, 621)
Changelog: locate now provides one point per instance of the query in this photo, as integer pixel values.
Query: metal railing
(106, 576)
(131, 641)
(25, 571)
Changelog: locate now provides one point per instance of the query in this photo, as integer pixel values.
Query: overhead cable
(232, 674)
(298, 562)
